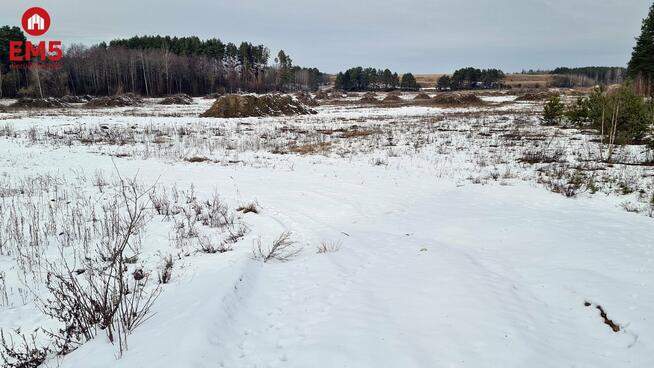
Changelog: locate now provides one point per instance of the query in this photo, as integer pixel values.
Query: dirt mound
(422, 96)
(456, 99)
(128, 99)
(39, 103)
(392, 98)
(369, 100)
(180, 99)
(535, 96)
(321, 95)
(213, 96)
(306, 99)
(238, 106)
(76, 99)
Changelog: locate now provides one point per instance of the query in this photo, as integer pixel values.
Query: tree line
(471, 78)
(372, 79)
(587, 76)
(156, 66)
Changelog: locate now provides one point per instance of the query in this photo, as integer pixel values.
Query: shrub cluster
(619, 115)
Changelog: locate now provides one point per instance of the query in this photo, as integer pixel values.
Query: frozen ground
(448, 249)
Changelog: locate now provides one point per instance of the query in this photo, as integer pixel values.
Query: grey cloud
(424, 36)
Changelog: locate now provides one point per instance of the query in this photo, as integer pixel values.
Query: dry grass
(248, 208)
(329, 247)
(360, 133)
(197, 159)
(528, 80)
(311, 149)
(427, 80)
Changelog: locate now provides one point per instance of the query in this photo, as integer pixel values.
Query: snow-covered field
(420, 237)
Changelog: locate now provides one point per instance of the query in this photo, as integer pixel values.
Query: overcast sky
(420, 36)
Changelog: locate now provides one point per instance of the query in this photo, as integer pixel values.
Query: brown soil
(76, 99)
(237, 106)
(306, 99)
(128, 99)
(321, 95)
(422, 96)
(456, 99)
(39, 103)
(213, 96)
(369, 100)
(180, 99)
(392, 98)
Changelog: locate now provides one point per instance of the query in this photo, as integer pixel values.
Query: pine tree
(387, 78)
(554, 111)
(641, 66)
(8, 34)
(285, 66)
(409, 82)
(444, 83)
(395, 81)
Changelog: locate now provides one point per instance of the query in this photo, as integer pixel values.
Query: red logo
(36, 21)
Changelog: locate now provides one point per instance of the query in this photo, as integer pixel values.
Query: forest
(156, 66)
(587, 76)
(471, 78)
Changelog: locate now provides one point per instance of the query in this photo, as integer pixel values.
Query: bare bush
(100, 295)
(567, 183)
(236, 233)
(100, 181)
(26, 354)
(533, 156)
(283, 249)
(166, 271)
(8, 131)
(95, 287)
(4, 295)
(209, 247)
(329, 247)
(379, 161)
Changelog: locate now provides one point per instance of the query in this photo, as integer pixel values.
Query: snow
(498, 99)
(432, 271)
(503, 279)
